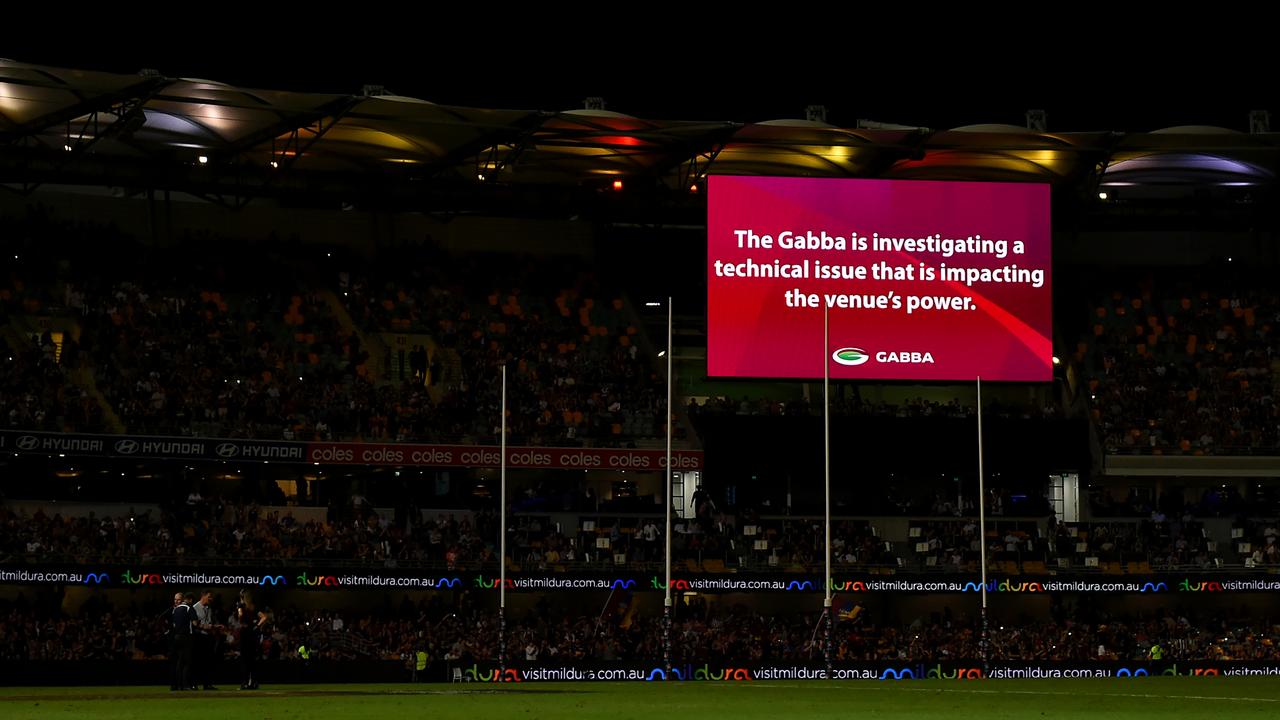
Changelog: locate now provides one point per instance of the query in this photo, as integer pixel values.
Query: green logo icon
(850, 356)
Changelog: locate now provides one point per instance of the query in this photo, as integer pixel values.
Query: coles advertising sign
(921, 280)
(341, 453)
(488, 456)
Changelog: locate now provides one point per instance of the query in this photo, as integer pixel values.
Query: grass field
(1183, 698)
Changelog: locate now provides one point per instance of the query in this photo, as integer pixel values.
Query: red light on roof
(693, 188)
(617, 184)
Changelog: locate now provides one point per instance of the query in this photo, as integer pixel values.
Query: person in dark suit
(204, 641)
(251, 623)
(181, 619)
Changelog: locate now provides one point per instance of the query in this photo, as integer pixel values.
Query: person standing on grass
(251, 623)
(181, 619)
(204, 641)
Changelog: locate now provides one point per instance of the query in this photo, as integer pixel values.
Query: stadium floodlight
(203, 159)
(1102, 194)
(1057, 360)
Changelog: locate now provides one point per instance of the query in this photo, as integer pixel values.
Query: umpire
(180, 642)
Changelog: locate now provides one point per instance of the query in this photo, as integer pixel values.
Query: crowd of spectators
(36, 393)
(917, 407)
(1185, 364)
(215, 532)
(1158, 542)
(243, 342)
(577, 372)
(1132, 545)
(701, 632)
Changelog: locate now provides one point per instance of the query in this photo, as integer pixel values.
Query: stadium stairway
(83, 379)
(450, 372)
(371, 343)
(17, 335)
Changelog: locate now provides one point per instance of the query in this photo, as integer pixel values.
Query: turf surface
(1183, 698)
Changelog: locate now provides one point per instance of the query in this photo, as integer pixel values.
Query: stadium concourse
(253, 346)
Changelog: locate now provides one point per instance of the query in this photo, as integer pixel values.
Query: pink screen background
(752, 333)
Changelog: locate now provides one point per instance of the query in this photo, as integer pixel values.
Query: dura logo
(273, 579)
(850, 586)
(688, 672)
(1004, 586)
(1173, 671)
(850, 356)
(97, 578)
(920, 672)
(142, 578)
(1211, 586)
(474, 674)
(326, 580)
(494, 583)
(675, 584)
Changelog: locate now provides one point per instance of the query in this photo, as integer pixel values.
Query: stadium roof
(234, 144)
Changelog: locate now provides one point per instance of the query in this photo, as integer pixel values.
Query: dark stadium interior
(240, 328)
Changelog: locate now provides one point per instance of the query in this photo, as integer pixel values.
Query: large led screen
(921, 280)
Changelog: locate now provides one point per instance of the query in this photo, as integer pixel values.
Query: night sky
(1096, 78)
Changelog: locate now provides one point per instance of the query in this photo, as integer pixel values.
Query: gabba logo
(850, 356)
(1188, 586)
(474, 674)
(97, 578)
(1004, 586)
(319, 580)
(142, 578)
(273, 580)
